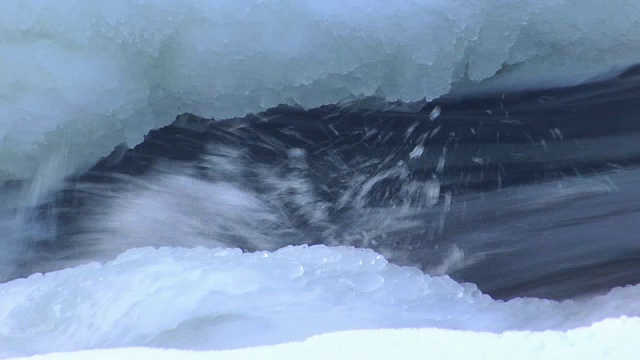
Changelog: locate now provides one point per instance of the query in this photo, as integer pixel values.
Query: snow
(78, 78)
(609, 339)
(216, 299)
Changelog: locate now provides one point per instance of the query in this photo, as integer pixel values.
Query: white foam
(223, 298)
(77, 78)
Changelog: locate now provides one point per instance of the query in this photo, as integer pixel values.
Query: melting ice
(78, 79)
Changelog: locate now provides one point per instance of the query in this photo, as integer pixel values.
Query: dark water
(525, 193)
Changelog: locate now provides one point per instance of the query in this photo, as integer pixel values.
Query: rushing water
(452, 137)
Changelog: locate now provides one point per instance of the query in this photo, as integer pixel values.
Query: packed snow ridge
(78, 78)
(609, 339)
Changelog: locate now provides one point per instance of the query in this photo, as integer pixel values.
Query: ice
(78, 78)
(208, 299)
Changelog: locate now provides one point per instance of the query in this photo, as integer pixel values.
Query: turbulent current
(306, 167)
(525, 193)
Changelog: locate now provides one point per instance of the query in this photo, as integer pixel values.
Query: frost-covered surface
(207, 299)
(77, 78)
(609, 339)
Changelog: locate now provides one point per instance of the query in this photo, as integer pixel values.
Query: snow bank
(77, 78)
(203, 299)
(609, 339)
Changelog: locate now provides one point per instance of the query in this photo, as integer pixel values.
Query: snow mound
(609, 339)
